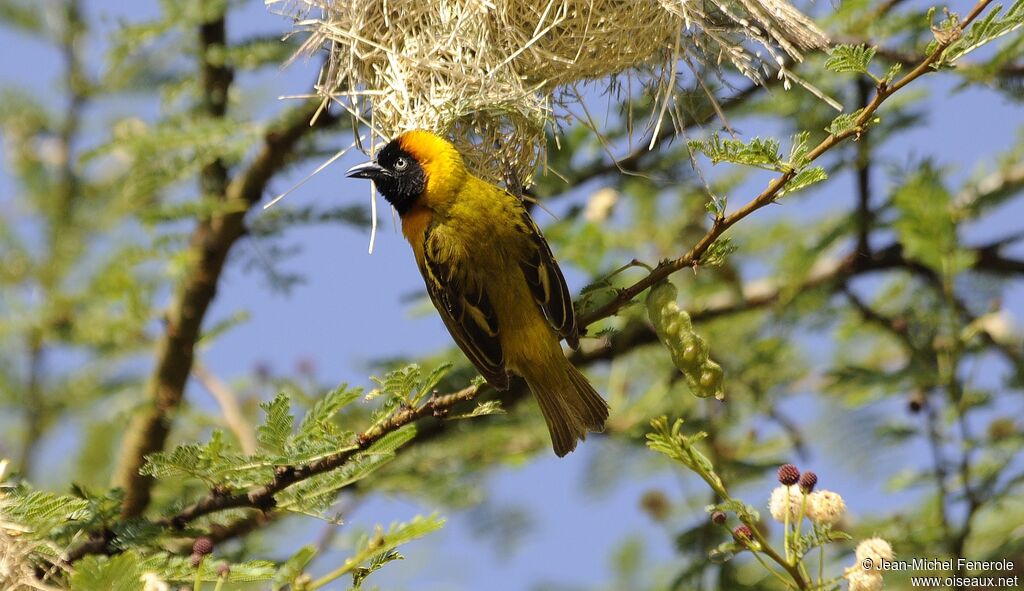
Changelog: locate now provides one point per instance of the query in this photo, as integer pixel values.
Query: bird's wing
(465, 309)
(547, 283)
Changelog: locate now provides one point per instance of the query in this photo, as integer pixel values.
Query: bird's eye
(401, 164)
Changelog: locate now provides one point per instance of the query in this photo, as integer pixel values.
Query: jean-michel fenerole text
(934, 564)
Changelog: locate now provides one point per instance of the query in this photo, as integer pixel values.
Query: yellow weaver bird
(491, 276)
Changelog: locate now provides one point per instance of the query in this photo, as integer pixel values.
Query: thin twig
(229, 407)
(724, 222)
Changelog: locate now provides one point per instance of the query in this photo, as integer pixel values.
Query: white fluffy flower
(875, 549)
(863, 580)
(825, 506)
(152, 582)
(778, 501)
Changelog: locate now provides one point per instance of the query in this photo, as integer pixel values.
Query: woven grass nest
(494, 75)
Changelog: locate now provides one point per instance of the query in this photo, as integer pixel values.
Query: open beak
(367, 170)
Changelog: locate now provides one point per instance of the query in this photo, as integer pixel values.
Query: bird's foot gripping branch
(298, 466)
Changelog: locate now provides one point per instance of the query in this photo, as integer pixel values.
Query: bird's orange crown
(442, 164)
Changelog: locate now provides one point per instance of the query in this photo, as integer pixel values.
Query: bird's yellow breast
(482, 233)
(478, 227)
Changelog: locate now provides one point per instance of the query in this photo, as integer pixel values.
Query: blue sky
(348, 313)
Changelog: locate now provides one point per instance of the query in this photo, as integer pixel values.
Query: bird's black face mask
(398, 176)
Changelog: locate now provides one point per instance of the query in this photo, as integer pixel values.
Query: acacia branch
(723, 222)
(211, 242)
(148, 430)
(262, 497)
(863, 169)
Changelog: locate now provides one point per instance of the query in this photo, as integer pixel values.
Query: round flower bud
(788, 474)
(782, 497)
(876, 550)
(863, 580)
(807, 481)
(196, 559)
(223, 569)
(202, 546)
(825, 506)
(718, 517)
(742, 532)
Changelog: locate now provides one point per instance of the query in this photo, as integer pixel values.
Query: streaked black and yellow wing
(466, 310)
(547, 283)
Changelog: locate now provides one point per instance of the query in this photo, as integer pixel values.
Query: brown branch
(148, 431)
(865, 216)
(723, 222)
(761, 294)
(1010, 70)
(262, 497)
(211, 242)
(215, 81)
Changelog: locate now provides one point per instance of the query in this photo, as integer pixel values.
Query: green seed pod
(688, 350)
(711, 379)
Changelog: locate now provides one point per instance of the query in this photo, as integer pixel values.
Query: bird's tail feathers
(570, 405)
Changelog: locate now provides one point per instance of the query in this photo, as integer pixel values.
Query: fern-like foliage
(803, 179)
(375, 550)
(843, 123)
(130, 570)
(992, 26)
(292, 569)
(850, 59)
(760, 153)
(283, 441)
(927, 222)
(318, 492)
